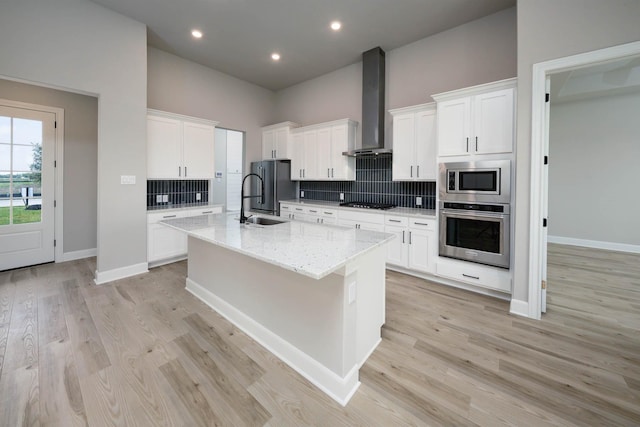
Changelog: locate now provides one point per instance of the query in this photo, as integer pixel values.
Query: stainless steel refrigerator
(277, 185)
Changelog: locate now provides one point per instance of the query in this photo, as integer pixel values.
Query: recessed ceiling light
(196, 34)
(336, 25)
(275, 56)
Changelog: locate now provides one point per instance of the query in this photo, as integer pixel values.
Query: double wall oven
(475, 211)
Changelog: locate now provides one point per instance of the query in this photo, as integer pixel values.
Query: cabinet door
(493, 122)
(454, 127)
(165, 242)
(268, 139)
(403, 147)
(310, 169)
(397, 249)
(425, 143)
(323, 144)
(198, 149)
(421, 255)
(281, 143)
(164, 148)
(342, 167)
(297, 157)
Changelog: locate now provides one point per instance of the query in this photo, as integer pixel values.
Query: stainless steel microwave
(487, 181)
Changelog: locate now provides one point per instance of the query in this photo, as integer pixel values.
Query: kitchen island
(314, 295)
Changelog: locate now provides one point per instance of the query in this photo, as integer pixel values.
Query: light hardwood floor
(142, 351)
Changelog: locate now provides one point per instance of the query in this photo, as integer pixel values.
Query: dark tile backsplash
(373, 184)
(178, 192)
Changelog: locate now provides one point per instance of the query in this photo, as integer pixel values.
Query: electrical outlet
(301, 193)
(352, 293)
(127, 179)
(165, 198)
(341, 196)
(159, 198)
(418, 201)
(198, 196)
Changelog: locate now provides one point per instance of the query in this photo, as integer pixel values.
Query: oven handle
(473, 214)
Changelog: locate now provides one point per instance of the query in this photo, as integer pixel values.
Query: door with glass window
(27, 152)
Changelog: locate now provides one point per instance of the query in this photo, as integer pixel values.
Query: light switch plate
(418, 201)
(127, 179)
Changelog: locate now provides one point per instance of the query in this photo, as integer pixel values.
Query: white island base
(323, 328)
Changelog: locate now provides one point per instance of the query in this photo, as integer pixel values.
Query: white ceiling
(240, 35)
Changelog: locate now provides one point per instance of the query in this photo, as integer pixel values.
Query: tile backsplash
(373, 184)
(175, 193)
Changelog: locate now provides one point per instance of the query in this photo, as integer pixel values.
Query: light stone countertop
(413, 212)
(170, 208)
(314, 250)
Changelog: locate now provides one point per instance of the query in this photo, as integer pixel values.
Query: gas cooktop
(367, 205)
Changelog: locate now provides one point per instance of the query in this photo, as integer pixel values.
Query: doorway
(28, 136)
(542, 72)
(229, 158)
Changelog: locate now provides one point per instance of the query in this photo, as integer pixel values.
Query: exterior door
(27, 153)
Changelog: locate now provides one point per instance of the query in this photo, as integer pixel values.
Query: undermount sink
(263, 221)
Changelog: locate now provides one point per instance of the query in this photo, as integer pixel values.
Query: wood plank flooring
(142, 351)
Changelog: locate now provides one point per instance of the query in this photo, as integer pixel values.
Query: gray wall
(180, 86)
(594, 151)
(80, 158)
(80, 46)
(550, 29)
(478, 52)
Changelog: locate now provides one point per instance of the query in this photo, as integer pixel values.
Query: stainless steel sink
(263, 221)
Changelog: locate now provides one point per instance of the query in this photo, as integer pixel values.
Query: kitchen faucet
(243, 218)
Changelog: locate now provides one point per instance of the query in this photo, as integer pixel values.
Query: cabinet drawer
(374, 218)
(204, 211)
(154, 218)
(399, 221)
(475, 274)
(424, 224)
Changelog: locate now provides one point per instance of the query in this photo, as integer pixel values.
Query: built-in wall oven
(475, 211)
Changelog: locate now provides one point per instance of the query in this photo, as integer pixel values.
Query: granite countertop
(414, 212)
(310, 249)
(182, 207)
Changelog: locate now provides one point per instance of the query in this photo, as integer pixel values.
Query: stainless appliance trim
(501, 259)
(501, 195)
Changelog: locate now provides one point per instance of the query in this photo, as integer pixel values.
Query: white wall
(549, 29)
(80, 46)
(80, 158)
(478, 52)
(184, 87)
(593, 172)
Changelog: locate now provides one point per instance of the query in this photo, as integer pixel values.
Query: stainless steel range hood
(372, 106)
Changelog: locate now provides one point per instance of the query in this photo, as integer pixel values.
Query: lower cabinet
(361, 220)
(415, 245)
(475, 274)
(164, 244)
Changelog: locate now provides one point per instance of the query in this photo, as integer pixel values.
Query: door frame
(540, 146)
(58, 169)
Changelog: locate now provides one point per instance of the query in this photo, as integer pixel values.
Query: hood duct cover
(373, 112)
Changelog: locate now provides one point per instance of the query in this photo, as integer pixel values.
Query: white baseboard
(596, 244)
(72, 256)
(103, 277)
(519, 308)
(338, 388)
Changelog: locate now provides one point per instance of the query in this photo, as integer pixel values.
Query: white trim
(72, 256)
(519, 308)
(103, 277)
(538, 127)
(414, 108)
(338, 388)
(58, 225)
(596, 244)
(175, 116)
(473, 90)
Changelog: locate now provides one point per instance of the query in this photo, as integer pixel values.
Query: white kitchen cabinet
(414, 143)
(179, 147)
(477, 120)
(321, 216)
(361, 220)
(415, 246)
(293, 211)
(317, 151)
(476, 274)
(165, 244)
(277, 141)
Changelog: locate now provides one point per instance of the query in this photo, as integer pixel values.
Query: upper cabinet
(277, 141)
(317, 152)
(414, 143)
(476, 120)
(179, 147)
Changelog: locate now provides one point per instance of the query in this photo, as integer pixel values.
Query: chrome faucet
(243, 218)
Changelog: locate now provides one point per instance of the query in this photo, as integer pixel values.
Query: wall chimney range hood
(373, 112)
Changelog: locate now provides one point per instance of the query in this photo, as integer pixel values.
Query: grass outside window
(20, 215)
